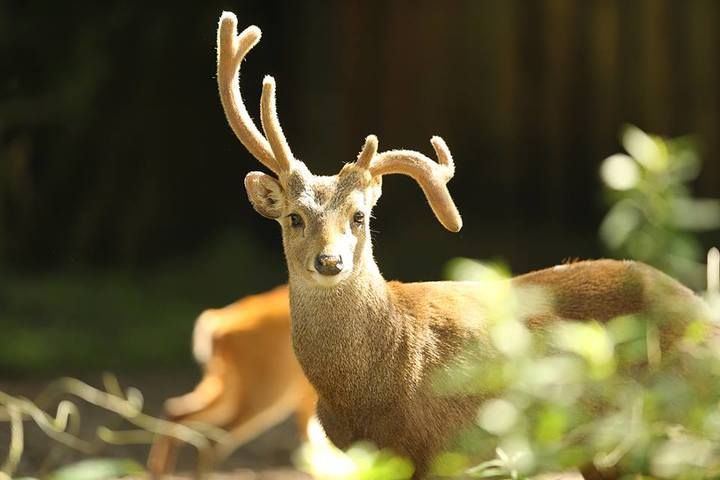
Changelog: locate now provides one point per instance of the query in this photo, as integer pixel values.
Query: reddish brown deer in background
(252, 379)
(369, 346)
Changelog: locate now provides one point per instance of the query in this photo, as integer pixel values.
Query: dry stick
(16, 443)
(130, 409)
(112, 385)
(127, 437)
(713, 271)
(70, 416)
(17, 408)
(52, 427)
(129, 406)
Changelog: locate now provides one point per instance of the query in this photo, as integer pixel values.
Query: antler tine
(431, 176)
(271, 125)
(232, 49)
(368, 152)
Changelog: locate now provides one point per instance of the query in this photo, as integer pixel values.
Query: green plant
(582, 392)
(653, 216)
(321, 459)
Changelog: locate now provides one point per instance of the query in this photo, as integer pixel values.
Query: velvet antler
(431, 176)
(271, 149)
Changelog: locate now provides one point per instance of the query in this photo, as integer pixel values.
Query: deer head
(324, 219)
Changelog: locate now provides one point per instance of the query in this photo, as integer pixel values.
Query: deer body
(252, 380)
(372, 356)
(371, 348)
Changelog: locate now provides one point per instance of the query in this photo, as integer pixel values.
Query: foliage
(321, 459)
(653, 216)
(585, 392)
(97, 469)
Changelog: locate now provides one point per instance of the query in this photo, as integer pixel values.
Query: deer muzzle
(328, 264)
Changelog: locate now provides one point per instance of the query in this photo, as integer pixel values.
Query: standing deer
(252, 380)
(371, 347)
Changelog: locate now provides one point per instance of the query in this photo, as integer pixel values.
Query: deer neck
(344, 335)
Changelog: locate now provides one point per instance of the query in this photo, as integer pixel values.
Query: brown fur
(252, 380)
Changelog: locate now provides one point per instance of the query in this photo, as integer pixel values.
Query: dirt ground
(266, 458)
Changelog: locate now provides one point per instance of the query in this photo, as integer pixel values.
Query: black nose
(328, 264)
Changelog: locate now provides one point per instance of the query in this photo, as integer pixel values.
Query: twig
(64, 427)
(16, 442)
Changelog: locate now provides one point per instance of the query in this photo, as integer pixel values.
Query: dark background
(122, 210)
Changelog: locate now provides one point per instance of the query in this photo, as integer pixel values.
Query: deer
(371, 347)
(252, 380)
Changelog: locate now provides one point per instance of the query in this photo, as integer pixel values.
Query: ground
(266, 458)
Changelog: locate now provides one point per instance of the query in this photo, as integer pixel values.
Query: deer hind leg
(204, 404)
(251, 423)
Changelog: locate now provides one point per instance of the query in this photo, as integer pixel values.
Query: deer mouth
(328, 281)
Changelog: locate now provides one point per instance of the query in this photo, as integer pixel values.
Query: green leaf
(622, 220)
(620, 172)
(97, 469)
(651, 153)
(696, 215)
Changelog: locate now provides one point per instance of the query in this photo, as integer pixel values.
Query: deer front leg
(162, 458)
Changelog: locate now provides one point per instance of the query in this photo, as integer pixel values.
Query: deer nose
(328, 264)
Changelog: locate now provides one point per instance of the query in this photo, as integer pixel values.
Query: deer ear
(265, 193)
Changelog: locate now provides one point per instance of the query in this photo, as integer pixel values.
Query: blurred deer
(252, 379)
(371, 347)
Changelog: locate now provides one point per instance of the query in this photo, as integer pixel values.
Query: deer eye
(296, 220)
(358, 218)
